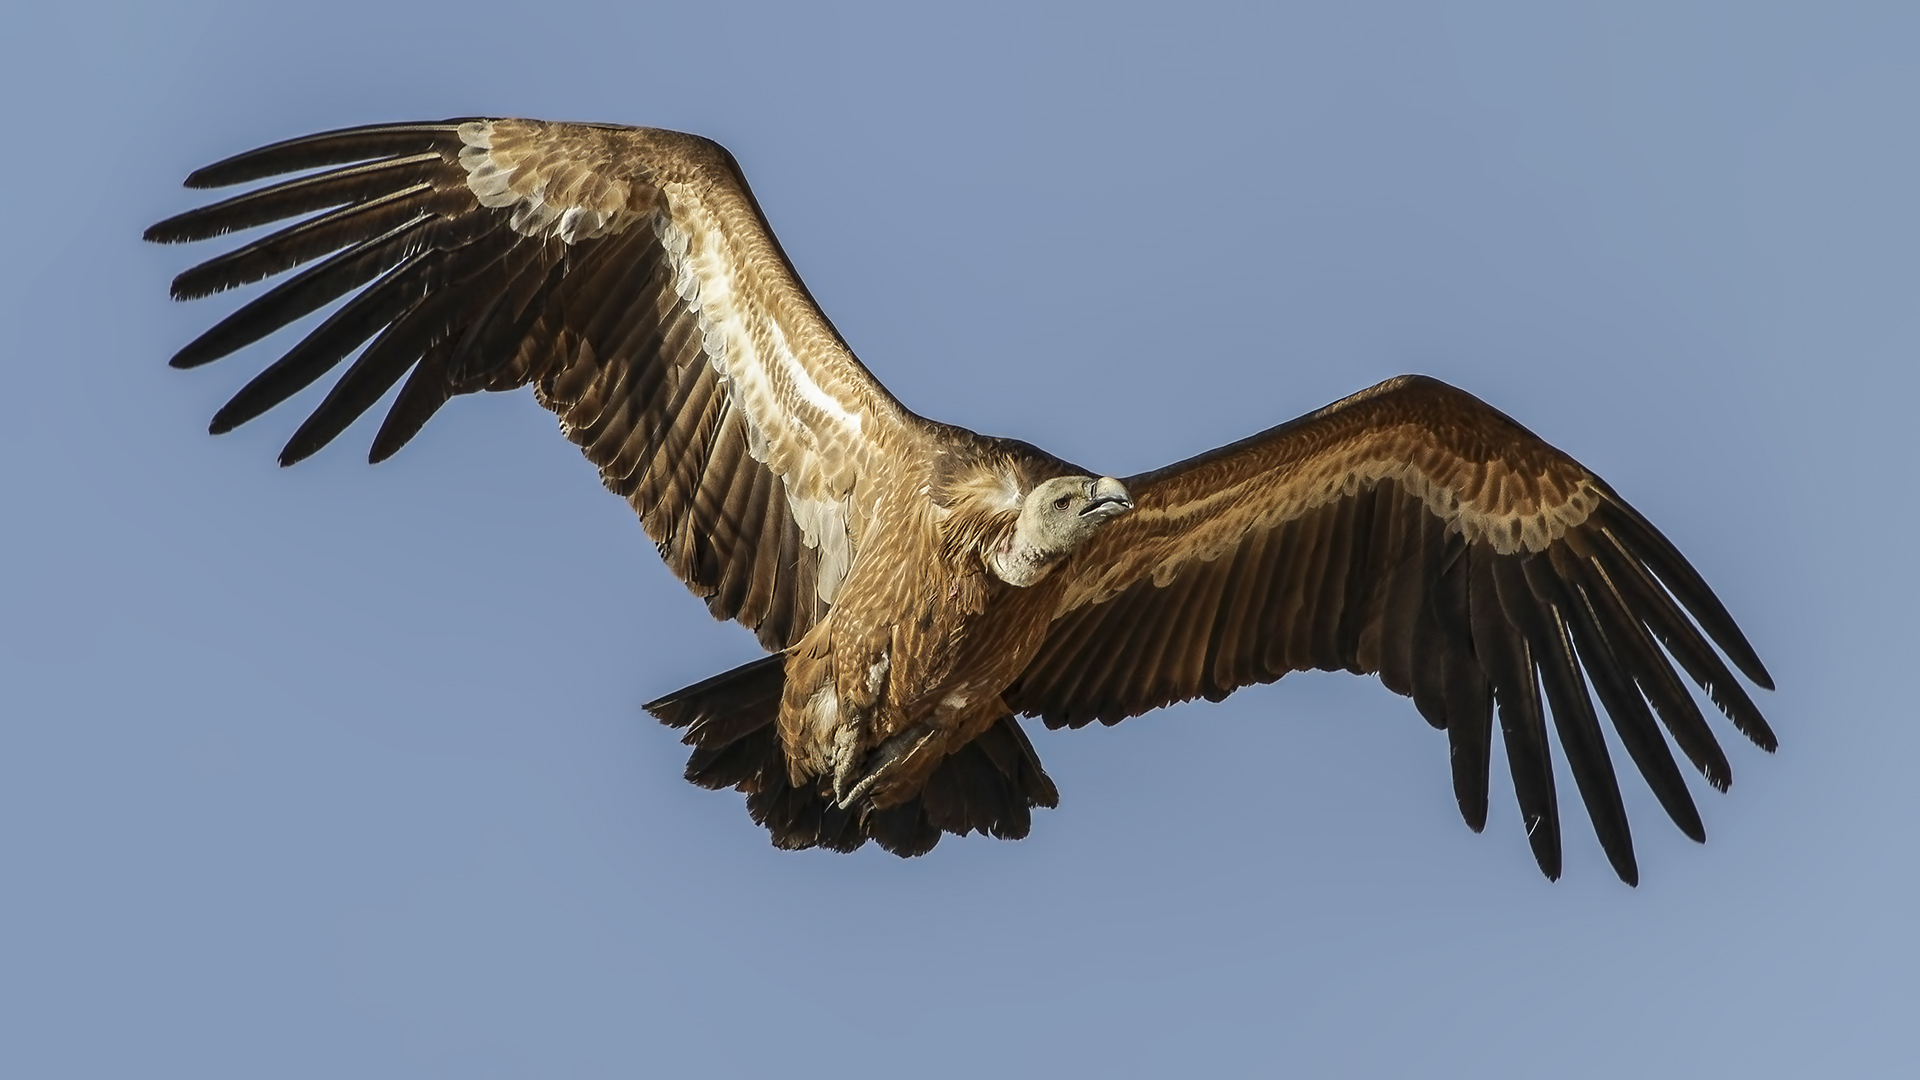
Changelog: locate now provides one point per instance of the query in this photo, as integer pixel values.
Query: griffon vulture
(919, 585)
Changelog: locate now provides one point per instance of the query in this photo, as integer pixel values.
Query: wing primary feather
(1664, 618)
(1470, 741)
(1404, 588)
(1521, 724)
(291, 198)
(315, 237)
(372, 373)
(325, 282)
(384, 301)
(1638, 730)
(1573, 717)
(301, 295)
(425, 391)
(1431, 660)
(1432, 654)
(432, 318)
(1652, 671)
(330, 342)
(1650, 545)
(338, 147)
(1468, 696)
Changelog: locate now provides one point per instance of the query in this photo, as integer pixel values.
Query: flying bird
(920, 586)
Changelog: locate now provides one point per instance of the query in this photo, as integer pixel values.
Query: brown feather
(1414, 532)
(629, 275)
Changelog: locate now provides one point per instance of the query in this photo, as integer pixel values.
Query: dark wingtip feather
(1469, 797)
(1680, 578)
(290, 198)
(299, 448)
(351, 226)
(190, 284)
(235, 412)
(190, 357)
(326, 148)
(425, 391)
(1546, 850)
(170, 231)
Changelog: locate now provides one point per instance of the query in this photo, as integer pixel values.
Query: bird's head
(1055, 518)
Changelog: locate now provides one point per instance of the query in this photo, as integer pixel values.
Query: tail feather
(989, 786)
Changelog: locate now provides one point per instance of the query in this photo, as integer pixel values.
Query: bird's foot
(846, 757)
(883, 760)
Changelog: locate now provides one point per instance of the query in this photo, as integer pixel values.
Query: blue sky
(341, 770)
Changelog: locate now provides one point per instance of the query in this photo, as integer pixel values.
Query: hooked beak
(1108, 492)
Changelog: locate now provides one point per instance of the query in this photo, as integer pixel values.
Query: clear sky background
(341, 771)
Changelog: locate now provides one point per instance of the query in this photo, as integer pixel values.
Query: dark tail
(991, 785)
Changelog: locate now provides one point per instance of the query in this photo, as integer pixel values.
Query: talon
(845, 802)
(883, 758)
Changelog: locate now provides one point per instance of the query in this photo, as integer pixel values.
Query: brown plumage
(922, 585)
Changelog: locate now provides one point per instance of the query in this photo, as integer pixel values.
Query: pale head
(1055, 518)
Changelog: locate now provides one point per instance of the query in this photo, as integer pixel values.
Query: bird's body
(919, 585)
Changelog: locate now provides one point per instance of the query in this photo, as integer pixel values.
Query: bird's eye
(1063, 502)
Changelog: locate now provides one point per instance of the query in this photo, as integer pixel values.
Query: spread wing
(626, 274)
(1414, 532)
